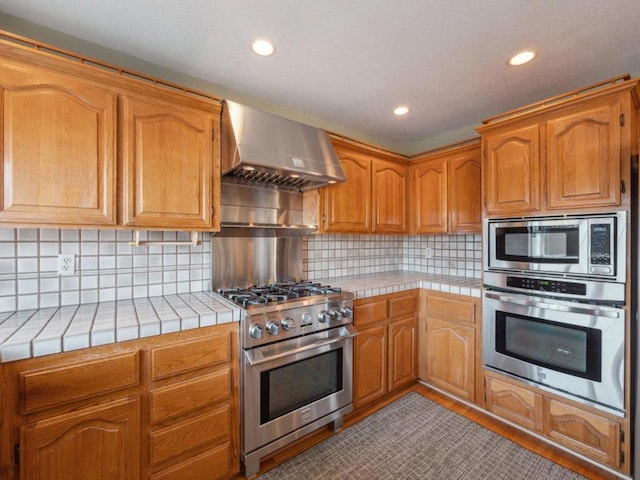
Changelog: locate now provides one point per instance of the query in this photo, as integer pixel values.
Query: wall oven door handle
(535, 302)
(257, 357)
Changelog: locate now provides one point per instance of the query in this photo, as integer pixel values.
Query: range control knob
(324, 316)
(273, 327)
(337, 315)
(347, 312)
(288, 323)
(256, 331)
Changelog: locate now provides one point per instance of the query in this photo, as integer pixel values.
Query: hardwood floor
(518, 436)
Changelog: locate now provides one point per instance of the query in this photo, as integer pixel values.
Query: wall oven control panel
(545, 285)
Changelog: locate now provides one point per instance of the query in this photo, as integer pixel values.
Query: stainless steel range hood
(257, 147)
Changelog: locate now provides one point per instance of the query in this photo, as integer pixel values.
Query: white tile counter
(33, 333)
(372, 284)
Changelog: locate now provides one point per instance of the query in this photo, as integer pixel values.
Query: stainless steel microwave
(577, 245)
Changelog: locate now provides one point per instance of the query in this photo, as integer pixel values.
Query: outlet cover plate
(66, 264)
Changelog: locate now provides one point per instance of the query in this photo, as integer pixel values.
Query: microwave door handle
(585, 310)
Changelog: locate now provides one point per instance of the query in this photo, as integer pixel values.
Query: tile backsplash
(108, 268)
(328, 256)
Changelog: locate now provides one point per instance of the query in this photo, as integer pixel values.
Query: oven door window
(289, 387)
(562, 347)
(540, 244)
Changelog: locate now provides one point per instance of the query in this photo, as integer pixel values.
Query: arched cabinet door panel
(93, 444)
(58, 148)
(167, 162)
(512, 177)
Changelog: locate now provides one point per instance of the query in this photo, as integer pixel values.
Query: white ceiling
(347, 64)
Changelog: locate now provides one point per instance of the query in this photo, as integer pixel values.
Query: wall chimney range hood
(261, 148)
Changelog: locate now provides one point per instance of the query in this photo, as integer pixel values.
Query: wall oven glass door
(292, 383)
(544, 245)
(574, 349)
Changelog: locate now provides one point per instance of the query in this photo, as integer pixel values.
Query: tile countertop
(370, 285)
(33, 333)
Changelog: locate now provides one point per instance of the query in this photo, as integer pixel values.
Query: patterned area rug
(415, 438)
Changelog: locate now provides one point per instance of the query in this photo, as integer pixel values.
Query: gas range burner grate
(277, 292)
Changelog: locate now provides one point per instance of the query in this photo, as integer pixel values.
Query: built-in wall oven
(553, 306)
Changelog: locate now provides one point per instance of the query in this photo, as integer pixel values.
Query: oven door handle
(586, 310)
(318, 343)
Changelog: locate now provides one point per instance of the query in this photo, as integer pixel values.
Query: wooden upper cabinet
(430, 197)
(347, 205)
(445, 191)
(583, 156)
(512, 171)
(565, 154)
(465, 206)
(389, 193)
(58, 148)
(167, 160)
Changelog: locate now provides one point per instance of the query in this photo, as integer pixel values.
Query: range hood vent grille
(241, 175)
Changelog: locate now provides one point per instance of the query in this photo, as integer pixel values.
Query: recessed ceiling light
(401, 110)
(263, 48)
(521, 58)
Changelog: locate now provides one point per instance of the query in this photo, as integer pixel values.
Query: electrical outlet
(428, 252)
(66, 264)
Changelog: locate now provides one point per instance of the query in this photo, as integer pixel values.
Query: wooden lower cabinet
(450, 357)
(385, 350)
(92, 443)
(450, 343)
(516, 404)
(587, 431)
(164, 407)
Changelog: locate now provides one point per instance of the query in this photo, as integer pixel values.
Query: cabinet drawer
(214, 464)
(404, 306)
(182, 357)
(171, 441)
(520, 405)
(183, 397)
(370, 313)
(53, 386)
(588, 433)
(450, 309)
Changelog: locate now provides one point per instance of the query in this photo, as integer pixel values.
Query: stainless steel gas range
(297, 345)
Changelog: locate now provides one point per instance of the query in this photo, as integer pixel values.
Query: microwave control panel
(601, 244)
(543, 285)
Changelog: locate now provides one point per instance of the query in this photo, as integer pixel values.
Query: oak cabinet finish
(590, 432)
(512, 169)
(347, 205)
(385, 350)
(569, 154)
(58, 147)
(583, 156)
(85, 147)
(450, 344)
(148, 408)
(445, 191)
(389, 193)
(370, 365)
(372, 200)
(167, 162)
(519, 405)
(92, 443)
